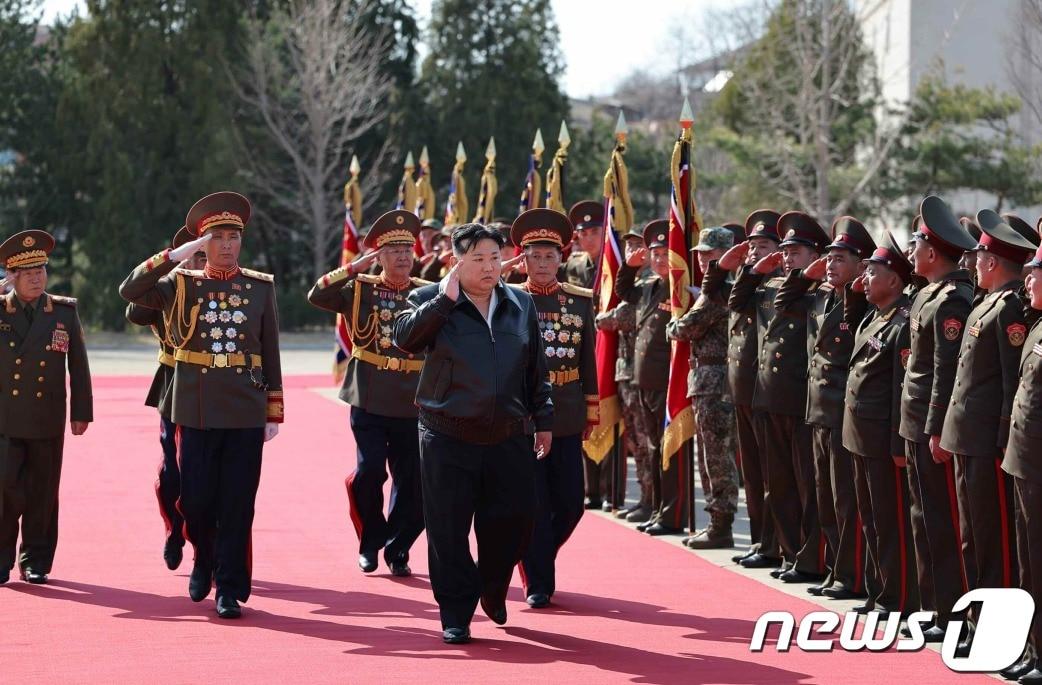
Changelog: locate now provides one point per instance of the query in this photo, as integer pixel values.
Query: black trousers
(559, 506)
(935, 531)
(837, 508)
(491, 486)
(882, 500)
(986, 520)
(385, 443)
(1028, 498)
(790, 487)
(220, 472)
(30, 474)
(754, 474)
(168, 484)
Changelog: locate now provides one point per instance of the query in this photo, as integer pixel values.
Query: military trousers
(597, 479)
(30, 474)
(220, 472)
(749, 427)
(986, 520)
(717, 469)
(558, 508)
(385, 443)
(669, 505)
(168, 484)
(489, 486)
(1028, 506)
(934, 509)
(636, 441)
(882, 501)
(837, 508)
(790, 488)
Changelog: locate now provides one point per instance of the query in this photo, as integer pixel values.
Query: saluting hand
(362, 264)
(450, 284)
(512, 264)
(858, 285)
(637, 257)
(179, 254)
(734, 257)
(815, 271)
(769, 263)
(542, 444)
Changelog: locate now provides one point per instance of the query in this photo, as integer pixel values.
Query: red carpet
(630, 609)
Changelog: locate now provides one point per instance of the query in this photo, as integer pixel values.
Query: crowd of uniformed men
(883, 402)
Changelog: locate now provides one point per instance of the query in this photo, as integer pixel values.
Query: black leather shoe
(227, 607)
(737, 558)
(538, 600)
(639, 514)
(455, 636)
(933, 634)
(400, 568)
(659, 528)
(200, 582)
(367, 562)
(905, 632)
(623, 512)
(593, 503)
(652, 520)
(842, 592)
(866, 608)
(1032, 677)
(1019, 669)
(173, 553)
(794, 576)
(5, 576)
(606, 506)
(818, 590)
(34, 577)
(497, 614)
(760, 561)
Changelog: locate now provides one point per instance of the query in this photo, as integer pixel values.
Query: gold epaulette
(576, 290)
(191, 273)
(61, 299)
(369, 278)
(258, 275)
(334, 277)
(775, 282)
(419, 282)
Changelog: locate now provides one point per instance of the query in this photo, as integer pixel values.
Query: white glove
(270, 431)
(179, 254)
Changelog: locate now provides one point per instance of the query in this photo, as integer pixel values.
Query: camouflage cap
(715, 238)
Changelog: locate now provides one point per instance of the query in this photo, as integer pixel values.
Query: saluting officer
(227, 389)
(745, 322)
(976, 426)
(938, 317)
(588, 219)
(40, 336)
(168, 484)
(379, 385)
(565, 315)
(830, 327)
(872, 413)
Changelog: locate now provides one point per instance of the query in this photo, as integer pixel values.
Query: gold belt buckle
(393, 363)
(220, 360)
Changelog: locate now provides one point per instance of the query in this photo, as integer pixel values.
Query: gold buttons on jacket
(39, 395)
(17, 376)
(43, 363)
(40, 379)
(18, 361)
(15, 392)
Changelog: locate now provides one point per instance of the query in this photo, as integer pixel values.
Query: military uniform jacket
(1023, 454)
(781, 378)
(751, 310)
(830, 332)
(977, 422)
(33, 360)
(565, 314)
(872, 413)
(622, 319)
(651, 348)
(937, 321)
(380, 378)
(158, 392)
(580, 270)
(705, 327)
(228, 372)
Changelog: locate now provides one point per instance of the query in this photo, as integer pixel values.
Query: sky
(639, 32)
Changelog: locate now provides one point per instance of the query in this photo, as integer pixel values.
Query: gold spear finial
(409, 164)
(424, 157)
(490, 151)
(563, 138)
(537, 144)
(355, 167)
(461, 154)
(686, 117)
(621, 128)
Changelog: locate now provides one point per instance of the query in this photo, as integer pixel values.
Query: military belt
(564, 376)
(165, 358)
(710, 361)
(387, 363)
(217, 361)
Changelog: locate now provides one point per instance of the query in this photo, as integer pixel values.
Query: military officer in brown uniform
(705, 326)
(976, 426)
(379, 384)
(831, 336)
(871, 416)
(744, 325)
(565, 315)
(1023, 461)
(781, 396)
(40, 336)
(938, 321)
(227, 389)
(168, 483)
(651, 370)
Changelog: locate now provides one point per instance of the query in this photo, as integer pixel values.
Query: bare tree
(1024, 58)
(312, 76)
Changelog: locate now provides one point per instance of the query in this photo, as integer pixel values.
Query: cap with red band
(941, 230)
(216, 210)
(893, 257)
(999, 238)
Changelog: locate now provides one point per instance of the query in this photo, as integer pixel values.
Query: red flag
(349, 251)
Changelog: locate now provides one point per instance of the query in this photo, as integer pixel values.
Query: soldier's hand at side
(637, 257)
(79, 427)
(270, 431)
(512, 264)
(542, 444)
(940, 455)
(179, 254)
(900, 462)
(815, 271)
(450, 284)
(769, 263)
(858, 285)
(734, 257)
(362, 264)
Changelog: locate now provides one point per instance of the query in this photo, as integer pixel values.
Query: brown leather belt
(387, 363)
(564, 376)
(166, 359)
(710, 361)
(217, 361)
(474, 431)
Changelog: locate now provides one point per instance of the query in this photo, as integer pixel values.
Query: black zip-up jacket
(472, 373)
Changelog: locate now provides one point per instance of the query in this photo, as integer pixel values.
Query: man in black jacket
(483, 392)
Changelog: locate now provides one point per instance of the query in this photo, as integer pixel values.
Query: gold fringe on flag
(456, 208)
(407, 187)
(424, 191)
(555, 174)
(487, 198)
(602, 438)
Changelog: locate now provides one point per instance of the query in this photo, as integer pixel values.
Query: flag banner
(349, 251)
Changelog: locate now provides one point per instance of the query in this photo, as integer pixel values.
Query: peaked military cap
(1036, 261)
(737, 229)
(941, 229)
(586, 214)
(763, 223)
(800, 228)
(218, 209)
(396, 227)
(1000, 238)
(970, 224)
(502, 228)
(890, 254)
(541, 226)
(1022, 227)
(656, 234)
(850, 234)
(181, 237)
(26, 250)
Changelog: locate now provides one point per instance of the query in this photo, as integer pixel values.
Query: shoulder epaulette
(576, 290)
(61, 299)
(419, 282)
(825, 288)
(775, 282)
(258, 275)
(369, 278)
(191, 273)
